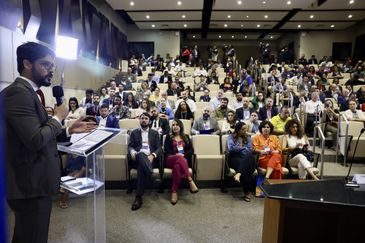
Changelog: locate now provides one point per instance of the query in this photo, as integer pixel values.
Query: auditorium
(182, 121)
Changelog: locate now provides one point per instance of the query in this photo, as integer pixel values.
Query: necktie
(155, 123)
(41, 96)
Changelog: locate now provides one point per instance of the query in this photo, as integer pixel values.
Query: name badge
(145, 146)
(180, 149)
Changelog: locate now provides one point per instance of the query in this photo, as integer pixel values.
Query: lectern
(88, 191)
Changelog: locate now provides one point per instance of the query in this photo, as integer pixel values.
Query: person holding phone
(297, 143)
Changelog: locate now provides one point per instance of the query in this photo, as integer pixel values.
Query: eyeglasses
(46, 64)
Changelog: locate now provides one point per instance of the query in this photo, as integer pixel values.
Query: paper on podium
(359, 178)
(83, 142)
(81, 185)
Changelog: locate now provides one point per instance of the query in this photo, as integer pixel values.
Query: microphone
(57, 92)
(353, 155)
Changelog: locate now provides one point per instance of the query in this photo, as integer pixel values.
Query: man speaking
(32, 161)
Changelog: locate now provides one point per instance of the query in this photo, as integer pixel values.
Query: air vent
(164, 25)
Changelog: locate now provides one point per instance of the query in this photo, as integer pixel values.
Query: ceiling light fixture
(225, 25)
(147, 16)
(266, 16)
(288, 2)
(271, 37)
(194, 36)
(247, 16)
(232, 36)
(351, 1)
(299, 26)
(258, 26)
(183, 16)
(219, 36)
(185, 25)
(153, 26)
(179, 3)
(241, 25)
(332, 26)
(131, 3)
(229, 16)
(239, 2)
(312, 16)
(350, 16)
(264, 2)
(245, 36)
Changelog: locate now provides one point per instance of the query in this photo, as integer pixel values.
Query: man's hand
(133, 156)
(151, 158)
(79, 126)
(61, 112)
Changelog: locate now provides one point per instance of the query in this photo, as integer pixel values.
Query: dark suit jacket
(239, 113)
(162, 79)
(164, 125)
(111, 121)
(263, 114)
(170, 92)
(188, 149)
(32, 161)
(135, 142)
(93, 111)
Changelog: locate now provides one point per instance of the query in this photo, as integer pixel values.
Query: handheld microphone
(57, 92)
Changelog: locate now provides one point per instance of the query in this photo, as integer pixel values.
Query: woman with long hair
(268, 146)
(131, 102)
(241, 159)
(297, 143)
(183, 112)
(229, 124)
(75, 111)
(178, 152)
(227, 84)
(145, 105)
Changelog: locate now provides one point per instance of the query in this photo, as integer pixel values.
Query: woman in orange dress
(270, 151)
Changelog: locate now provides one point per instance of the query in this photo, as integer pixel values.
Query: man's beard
(239, 99)
(144, 126)
(42, 81)
(206, 116)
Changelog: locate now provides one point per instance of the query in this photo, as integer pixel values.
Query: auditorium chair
(115, 156)
(129, 124)
(208, 162)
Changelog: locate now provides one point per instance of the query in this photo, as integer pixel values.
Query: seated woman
(131, 102)
(226, 85)
(241, 159)
(183, 112)
(75, 112)
(228, 124)
(295, 141)
(178, 151)
(270, 151)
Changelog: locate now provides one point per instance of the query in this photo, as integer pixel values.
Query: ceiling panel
(242, 25)
(258, 4)
(330, 15)
(169, 25)
(237, 36)
(189, 15)
(252, 15)
(156, 4)
(317, 25)
(342, 4)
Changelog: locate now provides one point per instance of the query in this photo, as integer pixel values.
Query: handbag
(304, 151)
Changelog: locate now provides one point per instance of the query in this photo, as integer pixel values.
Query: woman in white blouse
(295, 140)
(75, 112)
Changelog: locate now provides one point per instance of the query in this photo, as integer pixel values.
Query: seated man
(94, 109)
(222, 111)
(144, 147)
(268, 111)
(215, 102)
(106, 120)
(244, 113)
(120, 111)
(206, 124)
(253, 123)
(313, 108)
(158, 123)
(280, 120)
(190, 102)
(165, 111)
(205, 97)
(354, 115)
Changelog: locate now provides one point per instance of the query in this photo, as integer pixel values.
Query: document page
(90, 140)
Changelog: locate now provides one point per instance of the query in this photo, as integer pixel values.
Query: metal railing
(296, 116)
(323, 138)
(340, 135)
(291, 104)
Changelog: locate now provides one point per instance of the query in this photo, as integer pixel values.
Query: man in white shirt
(354, 115)
(190, 102)
(313, 108)
(238, 103)
(200, 71)
(215, 102)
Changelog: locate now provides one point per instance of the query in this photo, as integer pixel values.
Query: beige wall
(165, 41)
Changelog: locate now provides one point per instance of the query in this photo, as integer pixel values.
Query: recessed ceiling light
(271, 37)
(332, 26)
(241, 25)
(153, 26)
(229, 16)
(194, 36)
(232, 36)
(351, 1)
(219, 36)
(299, 26)
(258, 26)
(179, 3)
(239, 2)
(350, 16)
(245, 36)
(288, 2)
(266, 16)
(264, 2)
(131, 3)
(183, 16)
(225, 25)
(312, 16)
(185, 25)
(147, 16)
(247, 16)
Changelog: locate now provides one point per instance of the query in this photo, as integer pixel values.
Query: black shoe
(156, 180)
(137, 204)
